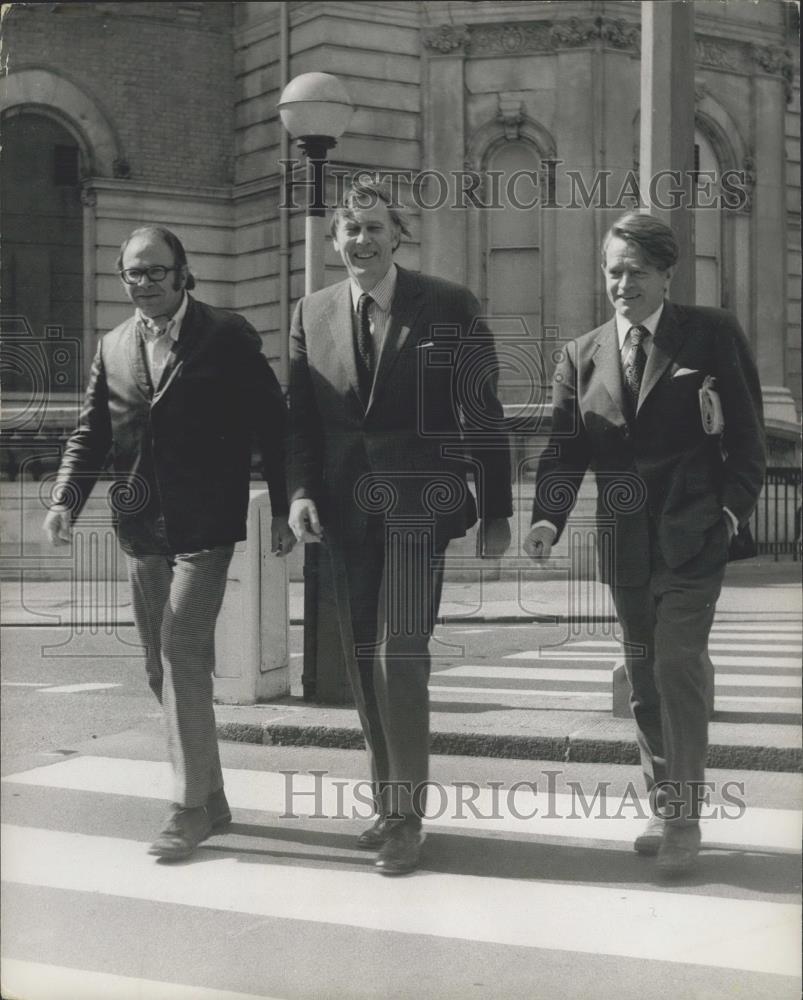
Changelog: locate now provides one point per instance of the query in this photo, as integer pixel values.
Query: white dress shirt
(379, 309)
(159, 338)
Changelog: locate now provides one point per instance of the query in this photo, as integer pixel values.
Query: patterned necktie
(634, 364)
(365, 347)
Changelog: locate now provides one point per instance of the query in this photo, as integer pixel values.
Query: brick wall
(162, 72)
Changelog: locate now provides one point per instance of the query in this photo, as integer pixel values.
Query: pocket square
(685, 371)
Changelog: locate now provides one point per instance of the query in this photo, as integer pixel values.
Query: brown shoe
(679, 848)
(217, 808)
(184, 831)
(375, 836)
(649, 840)
(401, 852)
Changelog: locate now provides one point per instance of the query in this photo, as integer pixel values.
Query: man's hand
(304, 521)
(282, 538)
(538, 544)
(493, 537)
(58, 526)
(730, 523)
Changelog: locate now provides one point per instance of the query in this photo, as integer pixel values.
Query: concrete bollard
(251, 639)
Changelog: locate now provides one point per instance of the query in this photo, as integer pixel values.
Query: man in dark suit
(671, 496)
(176, 395)
(392, 400)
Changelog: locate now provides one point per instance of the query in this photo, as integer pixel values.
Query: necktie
(161, 343)
(365, 347)
(634, 364)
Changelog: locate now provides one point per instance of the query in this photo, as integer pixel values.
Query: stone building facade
(134, 112)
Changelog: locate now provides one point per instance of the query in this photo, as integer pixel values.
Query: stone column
(667, 125)
(578, 278)
(443, 228)
(769, 224)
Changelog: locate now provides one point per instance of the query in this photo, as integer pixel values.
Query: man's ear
(180, 280)
(669, 272)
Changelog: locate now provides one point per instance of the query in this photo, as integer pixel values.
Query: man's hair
(174, 244)
(366, 194)
(654, 238)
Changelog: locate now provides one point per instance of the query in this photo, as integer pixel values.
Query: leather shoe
(649, 840)
(401, 852)
(375, 836)
(184, 831)
(217, 808)
(679, 848)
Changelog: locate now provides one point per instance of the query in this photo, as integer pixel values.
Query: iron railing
(776, 520)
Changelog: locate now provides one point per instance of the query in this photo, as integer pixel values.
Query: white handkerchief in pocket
(685, 371)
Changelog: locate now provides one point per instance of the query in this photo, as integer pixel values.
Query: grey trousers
(388, 591)
(176, 602)
(666, 625)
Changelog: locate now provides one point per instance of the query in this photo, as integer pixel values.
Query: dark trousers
(388, 592)
(666, 624)
(176, 602)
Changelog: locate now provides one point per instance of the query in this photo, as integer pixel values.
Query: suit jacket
(182, 450)
(405, 454)
(659, 467)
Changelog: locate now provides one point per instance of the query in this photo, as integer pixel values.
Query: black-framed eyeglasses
(133, 275)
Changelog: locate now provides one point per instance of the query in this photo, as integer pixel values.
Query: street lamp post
(315, 108)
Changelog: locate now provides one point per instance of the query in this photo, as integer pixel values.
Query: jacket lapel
(608, 364)
(667, 342)
(188, 339)
(408, 301)
(338, 317)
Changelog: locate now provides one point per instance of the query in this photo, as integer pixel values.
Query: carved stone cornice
(776, 61)
(738, 57)
(522, 37)
(720, 54)
(446, 38)
(510, 39)
(616, 32)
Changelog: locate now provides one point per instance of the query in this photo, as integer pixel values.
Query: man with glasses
(176, 395)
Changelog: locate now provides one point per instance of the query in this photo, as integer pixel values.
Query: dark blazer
(183, 448)
(659, 466)
(433, 414)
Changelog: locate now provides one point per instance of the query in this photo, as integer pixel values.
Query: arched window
(43, 255)
(707, 225)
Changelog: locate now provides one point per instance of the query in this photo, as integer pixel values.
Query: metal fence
(776, 520)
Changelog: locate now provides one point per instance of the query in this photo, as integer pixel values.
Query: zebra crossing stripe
(454, 806)
(77, 688)
(752, 647)
(569, 673)
(564, 653)
(746, 934)
(37, 981)
(602, 699)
